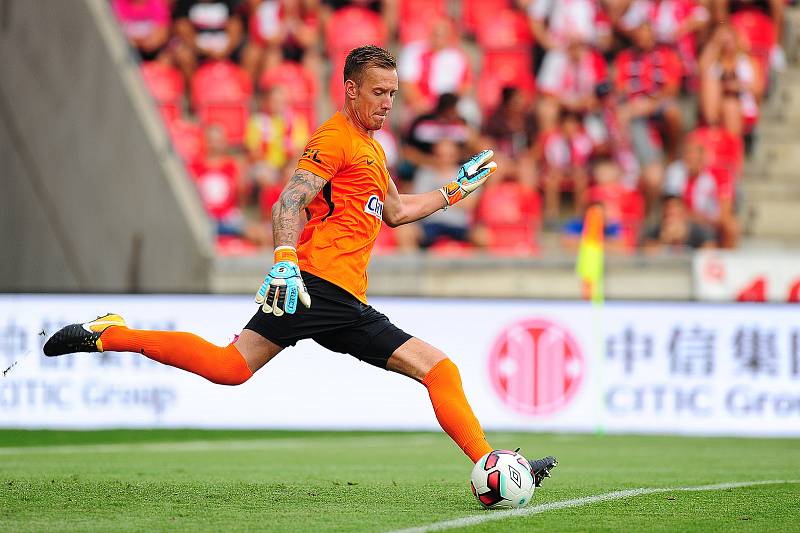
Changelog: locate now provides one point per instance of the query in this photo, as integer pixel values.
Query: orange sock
(453, 411)
(187, 351)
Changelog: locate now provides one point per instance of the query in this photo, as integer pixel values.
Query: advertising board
(730, 369)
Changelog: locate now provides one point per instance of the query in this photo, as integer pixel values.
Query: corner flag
(590, 255)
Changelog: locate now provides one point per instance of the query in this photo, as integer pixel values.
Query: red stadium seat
(501, 68)
(231, 245)
(231, 116)
(348, 28)
(449, 247)
(167, 87)
(335, 84)
(511, 214)
(221, 93)
(474, 13)
(415, 17)
(512, 240)
(509, 29)
(188, 139)
(301, 86)
(386, 242)
(354, 26)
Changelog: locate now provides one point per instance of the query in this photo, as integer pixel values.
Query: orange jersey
(345, 217)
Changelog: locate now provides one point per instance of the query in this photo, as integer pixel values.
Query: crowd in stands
(646, 107)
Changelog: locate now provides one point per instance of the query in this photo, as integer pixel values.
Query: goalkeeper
(317, 287)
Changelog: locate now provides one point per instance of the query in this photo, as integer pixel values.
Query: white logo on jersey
(374, 206)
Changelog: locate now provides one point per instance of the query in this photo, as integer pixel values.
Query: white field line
(490, 516)
(207, 445)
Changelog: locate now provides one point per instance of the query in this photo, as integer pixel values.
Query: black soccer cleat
(540, 468)
(81, 337)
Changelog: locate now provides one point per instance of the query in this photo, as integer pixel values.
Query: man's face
(446, 152)
(275, 101)
(643, 37)
(373, 98)
(674, 211)
(440, 35)
(216, 143)
(694, 158)
(576, 47)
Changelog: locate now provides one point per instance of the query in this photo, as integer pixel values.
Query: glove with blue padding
(283, 284)
(471, 175)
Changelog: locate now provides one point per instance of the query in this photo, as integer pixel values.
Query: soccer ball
(502, 479)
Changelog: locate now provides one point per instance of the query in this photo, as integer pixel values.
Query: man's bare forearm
(287, 212)
(416, 206)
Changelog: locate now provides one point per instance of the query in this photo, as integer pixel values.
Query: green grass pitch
(293, 481)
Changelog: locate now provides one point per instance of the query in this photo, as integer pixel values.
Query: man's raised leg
(229, 365)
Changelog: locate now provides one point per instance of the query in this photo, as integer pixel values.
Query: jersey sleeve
(326, 153)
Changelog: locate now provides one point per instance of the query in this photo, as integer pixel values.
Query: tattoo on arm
(288, 211)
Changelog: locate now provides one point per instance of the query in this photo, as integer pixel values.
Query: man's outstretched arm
(401, 209)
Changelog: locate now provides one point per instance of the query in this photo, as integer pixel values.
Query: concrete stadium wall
(93, 198)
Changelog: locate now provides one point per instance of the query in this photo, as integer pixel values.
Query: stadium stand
(749, 164)
(167, 86)
(221, 93)
(618, 80)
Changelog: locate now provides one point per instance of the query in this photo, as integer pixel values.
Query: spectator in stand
(512, 126)
(508, 216)
(391, 147)
(302, 78)
(553, 22)
(444, 122)
(722, 10)
(275, 135)
(731, 83)
(647, 80)
(219, 181)
(724, 151)
(387, 9)
(451, 224)
(285, 25)
(434, 67)
(708, 196)
(563, 155)
(676, 231)
(608, 192)
(206, 30)
(676, 23)
(146, 24)
(567, 81)
(610, 137)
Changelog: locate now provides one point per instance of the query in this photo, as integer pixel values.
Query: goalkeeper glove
(471, 175)
(283, 283)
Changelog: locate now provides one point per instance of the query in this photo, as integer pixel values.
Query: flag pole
(591, 271)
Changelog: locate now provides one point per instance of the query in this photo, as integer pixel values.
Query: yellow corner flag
(590, 255)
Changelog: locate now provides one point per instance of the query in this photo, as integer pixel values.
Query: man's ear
(350, 89)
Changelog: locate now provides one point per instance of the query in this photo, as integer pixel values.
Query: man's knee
(415, 358)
